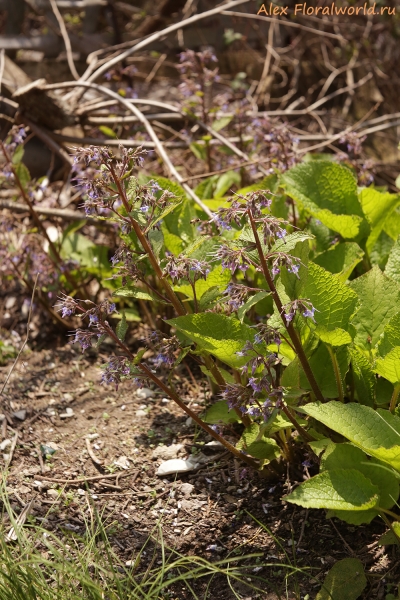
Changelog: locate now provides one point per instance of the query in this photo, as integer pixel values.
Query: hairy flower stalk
(288, 324)
(148, 249)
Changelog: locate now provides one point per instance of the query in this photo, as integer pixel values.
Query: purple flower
(309, 313)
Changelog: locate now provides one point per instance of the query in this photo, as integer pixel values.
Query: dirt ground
(219, 510)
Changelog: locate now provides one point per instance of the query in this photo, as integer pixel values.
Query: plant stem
(148, 249)
(288, 326)
(174, 396)
(337, 372)
(304, 434)
(394, 398)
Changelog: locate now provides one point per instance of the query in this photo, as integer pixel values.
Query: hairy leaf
(377, 432)
(339, 489)
(341, 259)
(219, 335)
(379, 297)
(345, 581)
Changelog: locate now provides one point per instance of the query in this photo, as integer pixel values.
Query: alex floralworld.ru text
(332, 9)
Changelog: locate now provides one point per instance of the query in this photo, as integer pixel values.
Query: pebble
(140, 413)
(177, 465)
(144, 393)
(67, 414)
(122, 462)
(4, 444)
(166, 452)
(52, 493)
(92, 436)
(186, 489)
(20, 415)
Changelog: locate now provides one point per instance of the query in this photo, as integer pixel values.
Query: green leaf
(345, 581)
(321, 365)
(92, 257)
(390, 337)
(265, 449)
(389, 366)
(377, 207)
(328, 191)
(134, 292)
(377, 432)
(198, 150)
(225, 182)
(392, 268)
(339, 489)
(205, 189)
(131, 314)
(392, 225)
(219, 124)
(157, 241)
(122, 327)
(220, 335)
(23, 174)
(18, 154)
(389, 537)
(363, 376)
(336, 337)
(250, 303)
(334, 301)
(170, 186)
(379, 297)
(218, 277)
(341, 259)
(108, 132)
(220, 413)
(209, 297)
(347, 456)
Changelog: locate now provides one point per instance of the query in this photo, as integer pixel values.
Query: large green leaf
(377, 432)
(392, 268)
(321, 365)
(225, 182)
(390, 337)
(389, 366)
(341, 259)
(218, 277)
(328, 191)
(377, 207)
(379, 297)
(92, 257)
(364, 377)
(339, 489)
(220, 413)
(335, 302)
(220, 335)
(345, 581)
(347, 456)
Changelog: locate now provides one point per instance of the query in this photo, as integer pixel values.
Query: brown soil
(223, 515)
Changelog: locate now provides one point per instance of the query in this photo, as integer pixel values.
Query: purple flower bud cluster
(280, 259)
(15, 138)
(196, 75)
(166, 348)
(301, 305)
(115, 370)
(183, 267)
(236, 294)
(232, 258)
(272, 142)
(126, 263)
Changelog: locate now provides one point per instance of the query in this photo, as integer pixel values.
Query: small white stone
(189, 422)
(186, 489)
(177, 465)
(67, 414)
(122, 462)
(167, 452)
(92, 436)
(52, 493)
(4, 444)
(144, 393)
(140, 413)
